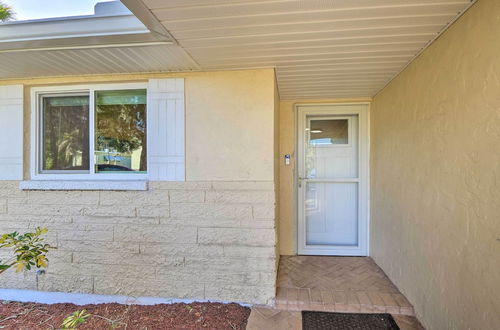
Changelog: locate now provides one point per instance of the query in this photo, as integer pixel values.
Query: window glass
(120, 131)
(65, 133)
(329, 131)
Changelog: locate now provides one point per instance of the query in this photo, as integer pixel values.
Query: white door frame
(362, 110)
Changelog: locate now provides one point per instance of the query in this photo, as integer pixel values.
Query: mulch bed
(22, 316)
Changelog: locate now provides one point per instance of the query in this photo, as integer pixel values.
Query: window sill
(83, 185)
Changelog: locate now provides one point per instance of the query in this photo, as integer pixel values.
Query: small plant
(29, 250)
(75, 319)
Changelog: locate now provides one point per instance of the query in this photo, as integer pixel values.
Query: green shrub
(29, 250)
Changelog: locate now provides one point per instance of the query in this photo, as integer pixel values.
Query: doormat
(347, 321)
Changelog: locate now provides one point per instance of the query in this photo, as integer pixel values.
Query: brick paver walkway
(333, 284)
(342, 284)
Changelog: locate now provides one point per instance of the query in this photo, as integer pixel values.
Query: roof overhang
(113, 25)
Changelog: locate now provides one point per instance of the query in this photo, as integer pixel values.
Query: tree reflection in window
(120, 131)
(65, 133)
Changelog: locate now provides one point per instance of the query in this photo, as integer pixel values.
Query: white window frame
(35, 153)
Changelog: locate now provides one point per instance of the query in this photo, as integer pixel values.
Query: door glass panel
(331, 211)
(325, 132)
(331, 149)
(65, 133)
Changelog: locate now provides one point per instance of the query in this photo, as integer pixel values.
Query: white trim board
(43, 297)
(83, 185)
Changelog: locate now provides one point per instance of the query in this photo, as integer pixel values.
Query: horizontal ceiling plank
(325, 96)
(334, 71)
(299, 47)
(211, 22)
(324, 78)
(236, 41)
(254, 52)
(328, 95)
(286, 89)
(313, 59)
(308, 82)
(317, 43)
(380, 68)
(335, 75)
(365, 91)
(277, 7)
(368, 89)
(154, 4)
(320, 59)
(325, 71)
(332, 78)
(358, 62)
(325, 26)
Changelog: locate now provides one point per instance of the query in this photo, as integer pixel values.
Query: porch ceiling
(320, 48)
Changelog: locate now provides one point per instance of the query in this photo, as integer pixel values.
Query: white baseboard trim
(87, 298)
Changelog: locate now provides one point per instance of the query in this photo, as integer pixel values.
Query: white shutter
(11, 132)
(165, 129)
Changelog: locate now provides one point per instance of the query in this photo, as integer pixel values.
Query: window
(99, 132)
(65, 133)
(120, 131)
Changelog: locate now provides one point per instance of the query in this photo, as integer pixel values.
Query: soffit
(320, 49)
(109, 60)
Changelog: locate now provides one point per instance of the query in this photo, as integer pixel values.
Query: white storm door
(332, 180)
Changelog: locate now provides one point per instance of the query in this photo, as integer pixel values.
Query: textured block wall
(202, 240)
(435, 221)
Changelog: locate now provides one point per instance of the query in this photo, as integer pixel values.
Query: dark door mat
(347, 321)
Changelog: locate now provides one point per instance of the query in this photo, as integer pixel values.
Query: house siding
(211, 237)
(435, 176)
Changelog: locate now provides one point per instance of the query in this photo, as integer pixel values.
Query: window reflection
(120, 131)
(330, 131)
(65, 139)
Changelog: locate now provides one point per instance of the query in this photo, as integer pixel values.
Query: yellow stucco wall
(435, 219)
(230, 126)
(287, 200)
(230, 118)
